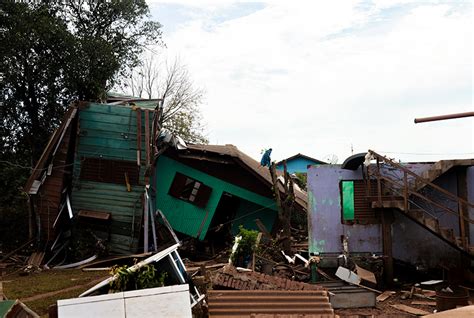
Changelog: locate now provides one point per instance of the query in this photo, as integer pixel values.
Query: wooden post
(387, 220)
(139, 136)
(462, 207)
(147, 138)
(145, 225)
(284, 208)
(379, 184)
(405, 191)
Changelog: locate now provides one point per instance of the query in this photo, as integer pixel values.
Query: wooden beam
(139, 136)
(387, 220)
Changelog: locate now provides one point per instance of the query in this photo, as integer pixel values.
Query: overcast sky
(322, 77)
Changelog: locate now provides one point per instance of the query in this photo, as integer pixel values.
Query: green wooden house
(94, 171)
(205, 188)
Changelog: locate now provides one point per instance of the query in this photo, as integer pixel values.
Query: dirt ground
(384, 309)
(41, 289)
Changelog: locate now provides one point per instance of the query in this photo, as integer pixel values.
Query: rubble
(229, 277)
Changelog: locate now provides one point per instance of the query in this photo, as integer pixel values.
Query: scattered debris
(167, 259)
(431, 282)
(423, 303)
(385, 295)
(410, 310)
(352, 278)
(229, 277)
(16, 309)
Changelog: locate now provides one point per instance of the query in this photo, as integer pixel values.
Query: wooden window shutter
(177, 186)
(203, 196)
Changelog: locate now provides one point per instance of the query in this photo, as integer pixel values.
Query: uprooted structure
(109, 167)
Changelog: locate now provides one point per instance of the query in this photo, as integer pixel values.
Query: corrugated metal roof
(269, 303)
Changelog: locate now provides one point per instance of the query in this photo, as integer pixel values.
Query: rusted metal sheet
(269, 303)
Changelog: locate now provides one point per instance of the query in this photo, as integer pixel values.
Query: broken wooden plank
(385, 295)
(366, 275)
(36, 259)
(95, 215)
(410, 310)
(352, 278)
(263, 229)
(423, 303)
(192, 269)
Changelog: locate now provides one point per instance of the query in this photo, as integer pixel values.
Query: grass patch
(21, 287)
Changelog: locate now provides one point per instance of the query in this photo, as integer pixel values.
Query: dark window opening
(190, 190)
(110, 171)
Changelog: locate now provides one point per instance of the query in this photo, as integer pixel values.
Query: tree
(52, 53)
(181, 98)
(58, 52)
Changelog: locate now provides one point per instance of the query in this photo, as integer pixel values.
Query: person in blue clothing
(266, 158)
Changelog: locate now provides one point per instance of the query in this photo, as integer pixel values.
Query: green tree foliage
(301, 180)
(52, 53)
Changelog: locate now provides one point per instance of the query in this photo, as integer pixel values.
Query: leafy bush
(246, 245)
(145, 277)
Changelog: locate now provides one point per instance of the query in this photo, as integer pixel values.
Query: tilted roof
(300, 155)
(251, 164)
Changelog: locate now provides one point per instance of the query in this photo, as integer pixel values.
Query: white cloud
(318, 76)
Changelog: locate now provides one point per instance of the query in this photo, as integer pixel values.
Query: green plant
(145, 277)
(247, 245)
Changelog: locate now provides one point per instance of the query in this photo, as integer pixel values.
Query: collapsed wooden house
(109, 167)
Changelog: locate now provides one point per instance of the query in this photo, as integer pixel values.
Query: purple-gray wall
(411, 242)
(325, 216)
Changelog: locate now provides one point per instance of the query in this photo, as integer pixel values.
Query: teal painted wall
(249, 211)
(189, 219)
(110, 132)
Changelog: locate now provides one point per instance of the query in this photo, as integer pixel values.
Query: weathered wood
(387, 219)
(423, 303)
(410, 310)
(16, 250)
(263, 229)
(385, 295)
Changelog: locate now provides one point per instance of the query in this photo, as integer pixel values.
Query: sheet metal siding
(185, 217)
(110, 132)
(269, 303)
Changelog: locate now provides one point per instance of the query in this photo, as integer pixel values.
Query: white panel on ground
(169, 301)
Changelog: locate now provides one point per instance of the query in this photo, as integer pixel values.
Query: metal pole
(444, 117)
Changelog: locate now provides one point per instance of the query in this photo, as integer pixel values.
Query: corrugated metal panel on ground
(238, 303)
